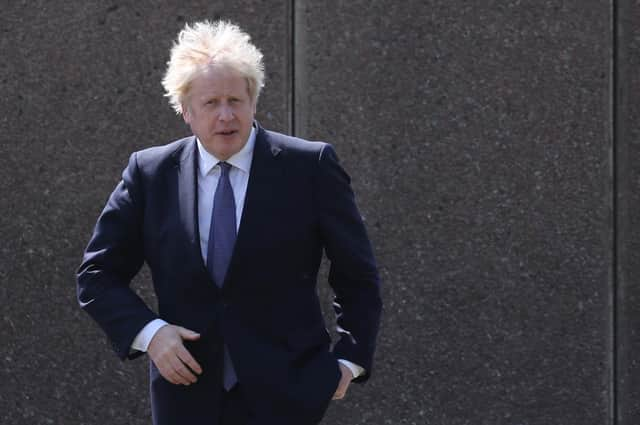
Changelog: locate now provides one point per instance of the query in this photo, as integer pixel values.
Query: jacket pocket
(304, 339)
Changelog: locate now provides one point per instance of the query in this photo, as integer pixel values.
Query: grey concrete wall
(491, 146)
(478, 137)
(627, 129)
(80, 91)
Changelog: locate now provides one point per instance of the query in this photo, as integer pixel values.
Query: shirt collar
(241, 159)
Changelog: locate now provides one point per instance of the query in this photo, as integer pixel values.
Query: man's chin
(224, 149)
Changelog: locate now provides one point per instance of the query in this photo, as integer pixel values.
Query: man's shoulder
(168, 151)
(154, 159)
(295, 145)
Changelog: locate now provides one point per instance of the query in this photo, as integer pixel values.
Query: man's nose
(226, 113)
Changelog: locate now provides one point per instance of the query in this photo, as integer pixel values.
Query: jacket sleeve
(113, 257)
(353, 274)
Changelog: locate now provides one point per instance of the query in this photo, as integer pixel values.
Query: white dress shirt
(208, 176)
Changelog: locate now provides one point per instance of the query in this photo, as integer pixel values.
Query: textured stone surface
(628, 158)
(80, 91)
(477, 136)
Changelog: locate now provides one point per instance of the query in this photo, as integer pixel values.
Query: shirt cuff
(355, 369)
(142, 340)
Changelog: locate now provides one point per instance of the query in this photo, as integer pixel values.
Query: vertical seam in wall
(292, 67)
(299, 48)
(614, 378)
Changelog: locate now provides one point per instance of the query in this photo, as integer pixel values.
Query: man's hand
(345, 380)
(170, 356)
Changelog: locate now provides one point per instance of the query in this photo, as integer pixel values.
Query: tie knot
(224, 167)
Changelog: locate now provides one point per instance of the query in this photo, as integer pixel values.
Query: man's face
(220, 111)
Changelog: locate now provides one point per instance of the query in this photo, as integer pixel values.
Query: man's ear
(186, 114)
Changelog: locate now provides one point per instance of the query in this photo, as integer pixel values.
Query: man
(232, 222)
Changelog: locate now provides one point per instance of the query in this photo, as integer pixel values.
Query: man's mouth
(226, 132)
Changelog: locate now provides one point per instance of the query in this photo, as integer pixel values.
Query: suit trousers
(234, 410)
(233, 407)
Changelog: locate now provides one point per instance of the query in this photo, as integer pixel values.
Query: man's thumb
(188, 334)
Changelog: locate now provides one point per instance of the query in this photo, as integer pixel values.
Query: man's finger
(173, 378)
(185, 356)
(164, 367)
(343, 385)
(188, 334)
(168, 374)
(177, 379)
(185, 375)
(172, 375)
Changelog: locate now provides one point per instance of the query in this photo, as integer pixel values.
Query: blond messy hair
(204, 44)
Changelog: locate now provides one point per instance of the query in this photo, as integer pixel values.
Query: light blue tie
(222, 238)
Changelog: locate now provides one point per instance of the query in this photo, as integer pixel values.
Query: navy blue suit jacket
(298, 203)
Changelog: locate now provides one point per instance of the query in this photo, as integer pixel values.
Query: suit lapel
(264, 179)
(187, 169)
